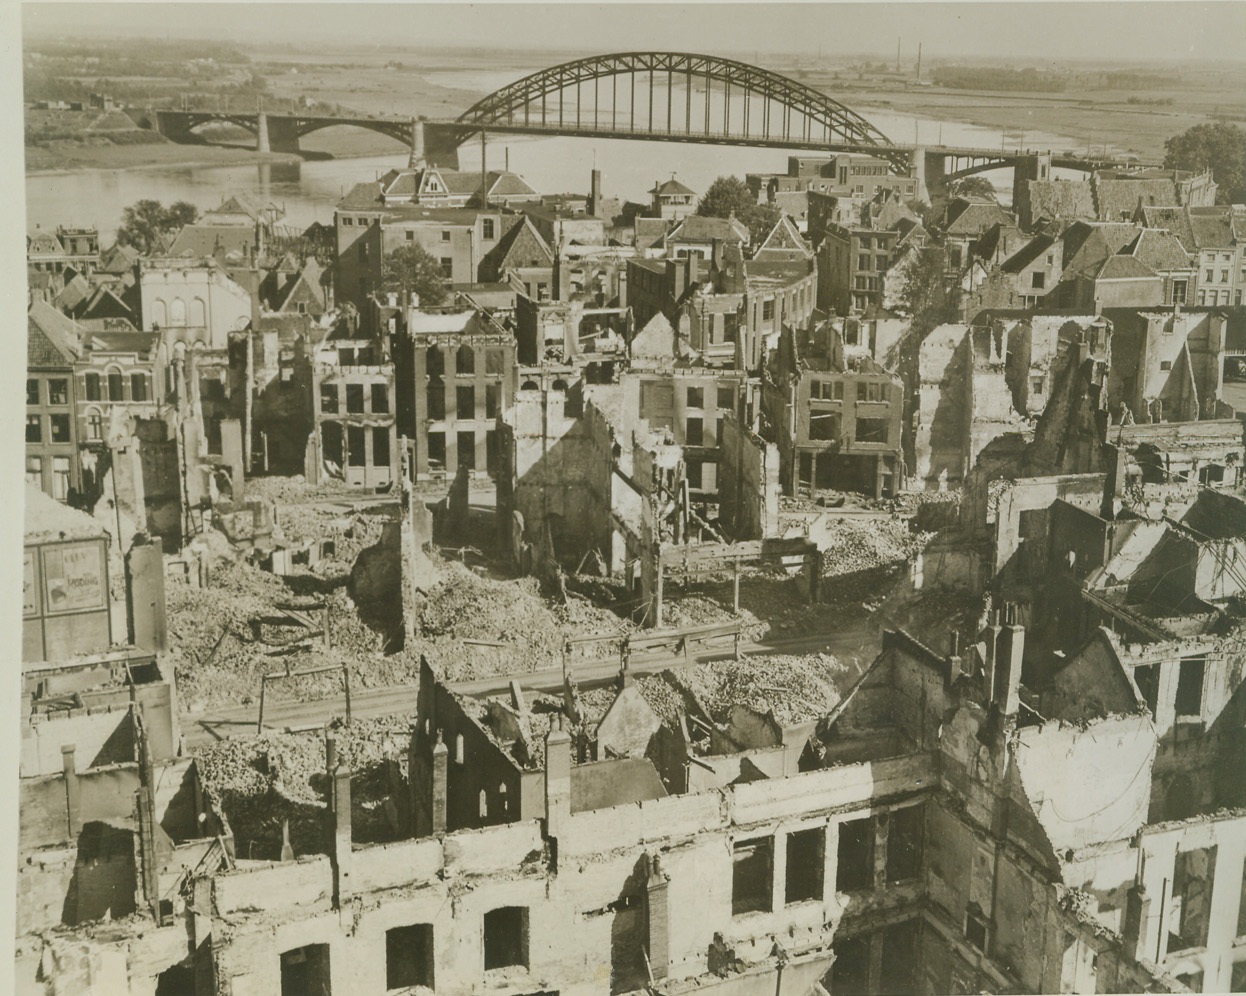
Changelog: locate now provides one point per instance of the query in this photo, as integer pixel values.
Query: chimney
(557, 780)
(1010, 648)
(340, 851)
(657, 918)
(1114, 458)
(988, 661)
(594, 196)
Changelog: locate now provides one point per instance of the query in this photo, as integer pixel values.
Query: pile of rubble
(264, 782)
(507, 625)
(794, 689)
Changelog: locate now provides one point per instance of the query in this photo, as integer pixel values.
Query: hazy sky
(1017, 29)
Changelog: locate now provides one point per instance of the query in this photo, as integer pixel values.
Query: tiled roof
(1116, 198)
(52, 338)
(975, 217)
(520, 245)
(1174, 218)
(1212, 228)
(671, 188)
(1160, 250)
(696, 228)
(1123, 267)
(199, 241)
(131, 341)
(1086, 244)
(509, 185)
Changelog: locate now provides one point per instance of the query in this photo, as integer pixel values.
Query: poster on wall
(73, 577)
(30, 586)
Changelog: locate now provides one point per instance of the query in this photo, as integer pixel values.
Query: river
(309, 189)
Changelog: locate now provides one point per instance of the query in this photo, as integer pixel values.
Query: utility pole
(919, 61)
(897, 56)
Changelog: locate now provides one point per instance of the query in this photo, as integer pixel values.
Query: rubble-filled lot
(795, 688)
(262, 782)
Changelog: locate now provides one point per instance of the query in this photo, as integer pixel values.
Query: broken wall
(748, 482)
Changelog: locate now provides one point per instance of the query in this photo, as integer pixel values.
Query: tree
(412, 268)
(972, 186)
(1219, 147)
(729, 195)
(926, 294)
(145, 223)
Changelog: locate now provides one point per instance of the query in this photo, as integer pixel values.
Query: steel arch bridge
(707, 99)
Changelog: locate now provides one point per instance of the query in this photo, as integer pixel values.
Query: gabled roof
(1086, 244)
(105, 303)
(53, 339)
(650, 231)
(521, 245)
(122, 341)
(1160, 250)
(784, 239)
(697, 228)
(1123, 267)
(656, 341)
(1027, 254)
(509, 185)
(1174, 218)
(118, 260)
(73, 293)
(965, 217)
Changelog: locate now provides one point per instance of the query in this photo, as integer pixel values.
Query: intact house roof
(672, 188)
(1123, 267)
(1158, 249)
(213, 240)
(53, 339)
(696, 228)
(1027, 254)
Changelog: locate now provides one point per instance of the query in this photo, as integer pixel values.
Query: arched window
(560, 385)
(198, 313)
(159, 313)
(529, 385)
(116, 384)
(459, 752)
(435, 363)
(177, 313)
(484, 805)
(465, 359)
(502, 795)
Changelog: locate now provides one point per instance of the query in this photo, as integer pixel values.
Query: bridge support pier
(929, 169)
(1027, 168)
(279, 134)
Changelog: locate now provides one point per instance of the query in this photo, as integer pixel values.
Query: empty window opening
(465, 360)
(694, 432)
(354, 399)
(855, 869)
(465, 402)
(328, 399)
(305, 971)
(138, 387)
(806, 858)
(824, 426)
(904, 844)
(409, 956)
(436, 451)
(467, 450)
(850, 974)
(356, 446)
(751, 876)
(436, 399)
(1146, 678)
(1241, 916)
(1192, 878)
(871, 430)
(1190, 687)
(380, 446)
(380, 398)
(506, 937)
(331, 442)
(975, 927)
(459, 754)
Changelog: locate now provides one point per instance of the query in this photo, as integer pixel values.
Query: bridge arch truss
(674, 96)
